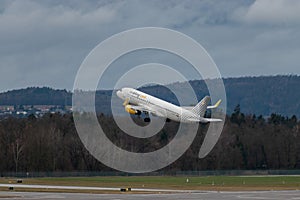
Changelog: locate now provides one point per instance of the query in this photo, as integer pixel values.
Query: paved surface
(284, 195)
(89, 188)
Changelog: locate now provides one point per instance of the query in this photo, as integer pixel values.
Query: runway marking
(34, 195)
(249, 197)
(54, 197)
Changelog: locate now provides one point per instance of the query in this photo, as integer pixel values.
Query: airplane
(137, 102)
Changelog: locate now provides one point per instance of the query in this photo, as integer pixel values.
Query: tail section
(201, 107)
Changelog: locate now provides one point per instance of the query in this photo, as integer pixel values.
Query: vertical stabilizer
(201, 107)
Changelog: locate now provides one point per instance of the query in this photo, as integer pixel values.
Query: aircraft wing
(141, 108)
(148, 109)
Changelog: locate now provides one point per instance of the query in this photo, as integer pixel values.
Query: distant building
(37, 110)
(7, 108)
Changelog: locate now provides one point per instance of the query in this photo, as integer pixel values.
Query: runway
(276, 195)
(91, 188)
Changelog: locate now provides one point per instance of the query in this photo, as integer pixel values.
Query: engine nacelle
(132, 111)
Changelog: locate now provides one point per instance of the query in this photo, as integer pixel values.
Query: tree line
(51, 144)
(273, 94)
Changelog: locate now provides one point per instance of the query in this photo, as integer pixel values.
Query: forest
(51, 144)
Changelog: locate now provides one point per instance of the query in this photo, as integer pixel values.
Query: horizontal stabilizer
(212, 120)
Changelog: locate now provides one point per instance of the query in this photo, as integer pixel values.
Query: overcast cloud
(44, 42)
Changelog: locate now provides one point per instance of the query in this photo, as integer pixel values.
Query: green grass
(170, 182)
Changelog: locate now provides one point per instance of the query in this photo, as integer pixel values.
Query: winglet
(216, 105)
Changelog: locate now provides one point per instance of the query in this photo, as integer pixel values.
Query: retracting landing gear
(147, 118)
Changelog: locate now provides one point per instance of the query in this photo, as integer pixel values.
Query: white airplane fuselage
(156, 106)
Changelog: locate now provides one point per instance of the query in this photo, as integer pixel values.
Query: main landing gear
(147, 118)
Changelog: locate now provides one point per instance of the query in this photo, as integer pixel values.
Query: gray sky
(44, 42)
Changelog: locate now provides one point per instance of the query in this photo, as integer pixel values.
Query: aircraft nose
(120, 94)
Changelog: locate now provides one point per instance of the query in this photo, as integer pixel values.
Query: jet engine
(132, 111)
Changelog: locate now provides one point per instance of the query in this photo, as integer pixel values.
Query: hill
(256, 95)
(36, 96)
